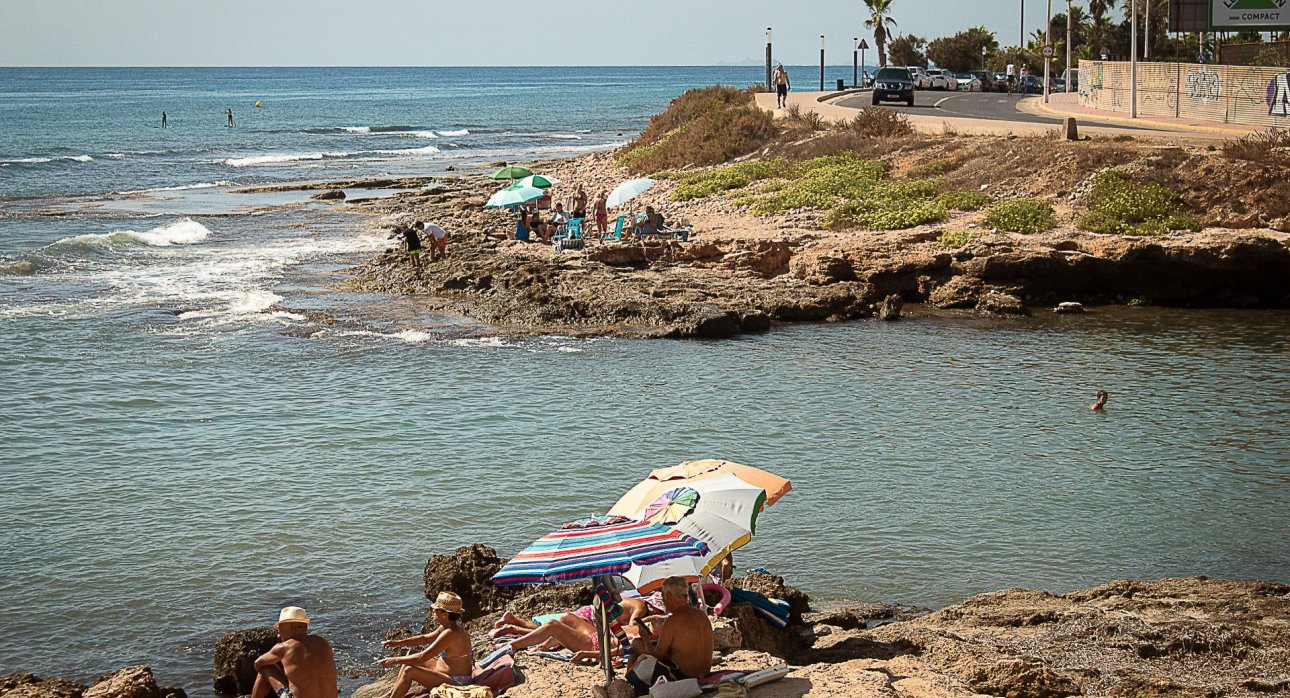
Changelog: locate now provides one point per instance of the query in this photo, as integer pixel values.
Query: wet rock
(890, 307)
(999, 303)
(1068, 308)
(754, 322)
(235, 656)
(171, 692)
(709, 321)
(330, 195)
(32, 686)
(958, 292)
(131, 682)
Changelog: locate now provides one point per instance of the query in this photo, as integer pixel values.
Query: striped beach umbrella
(594, 547)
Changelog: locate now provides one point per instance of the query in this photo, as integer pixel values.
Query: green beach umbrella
(539, 181)
(511, 172)
(510, 198)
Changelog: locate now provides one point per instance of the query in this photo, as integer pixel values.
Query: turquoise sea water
(183, 451)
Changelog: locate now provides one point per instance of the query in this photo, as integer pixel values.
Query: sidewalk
(1063, 104)
(823, 103)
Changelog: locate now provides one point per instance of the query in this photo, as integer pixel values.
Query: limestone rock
(235, 656)
(468, 573)
(756, 633)
(999, 303)
(958, 292)
(820, 268)
(725, 635)
(1069, 307)
(130, 682)
(330, 195)
(890, 307)
(32, 686)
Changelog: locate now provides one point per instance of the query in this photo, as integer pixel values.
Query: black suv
(893, 85)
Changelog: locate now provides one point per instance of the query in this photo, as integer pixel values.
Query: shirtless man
(299, 666)
(448, 660)
(1100, 405)
(684, 646)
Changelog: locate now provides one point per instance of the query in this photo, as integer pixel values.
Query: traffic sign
(1048, 51)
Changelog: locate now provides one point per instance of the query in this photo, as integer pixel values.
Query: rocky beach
(1181, 638)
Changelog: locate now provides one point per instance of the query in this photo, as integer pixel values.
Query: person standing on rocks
(448, 660)
(413, 242)
(602, 215)
(438, 240)
(300, 665)
(580, 203)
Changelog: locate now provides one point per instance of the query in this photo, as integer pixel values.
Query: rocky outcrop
(235, 656)
(32, 686)
(772, 586)
(131, 682)
(468, 573)
(329, 195)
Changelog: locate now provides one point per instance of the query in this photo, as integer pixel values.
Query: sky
(466, 32)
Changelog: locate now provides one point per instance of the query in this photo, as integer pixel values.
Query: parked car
(893, 85)
(1003, 83)
(917, 73)
(987, 80)
(941, 79)
(968, 82)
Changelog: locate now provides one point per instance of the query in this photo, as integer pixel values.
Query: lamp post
(1048, 48)
(769, 86)
(1021, 38)
(1146, 28)
(855, 61)
(1133, 61)
(1069, 38)
(821, 62)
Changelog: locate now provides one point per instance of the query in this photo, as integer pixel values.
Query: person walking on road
(781, 85)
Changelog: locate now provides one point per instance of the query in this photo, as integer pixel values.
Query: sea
(186, 445)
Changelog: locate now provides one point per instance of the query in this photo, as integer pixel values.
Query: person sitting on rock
(652, 225)
(299, 666)
(684, 646)
(448, 660)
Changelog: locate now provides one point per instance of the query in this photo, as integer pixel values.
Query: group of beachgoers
(667, 636)
(535, 226)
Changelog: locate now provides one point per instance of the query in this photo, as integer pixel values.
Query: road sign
(864, 45)
(1048, 51)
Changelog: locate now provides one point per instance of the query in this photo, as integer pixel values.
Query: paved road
(995, 106)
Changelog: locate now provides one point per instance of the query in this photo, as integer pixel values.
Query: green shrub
(820, 183)
(1121, 206)
(707, 126)
(876, 122)
(957, 240)
(934, 168)
(1021, 216)
(696, 185)
(959, 200)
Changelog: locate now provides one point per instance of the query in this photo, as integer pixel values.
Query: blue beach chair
(618, 230)
(569, 237)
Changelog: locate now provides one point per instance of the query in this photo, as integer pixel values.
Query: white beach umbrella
(720, 511)
(509, 198)
(628, 190)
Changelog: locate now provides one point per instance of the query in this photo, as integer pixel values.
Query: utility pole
(1146, 28)
(1069, 38)
(1048, 48)
(821, 62)
(769, 86)
(1021, 40)
(1133, 61)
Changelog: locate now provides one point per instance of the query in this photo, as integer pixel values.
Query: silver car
(941, 79)
(922, 81)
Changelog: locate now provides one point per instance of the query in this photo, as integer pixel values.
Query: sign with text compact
(1259, 15)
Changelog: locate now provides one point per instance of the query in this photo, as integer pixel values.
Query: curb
(1037, 106)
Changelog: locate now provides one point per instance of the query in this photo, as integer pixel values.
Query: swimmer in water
(1100, 405)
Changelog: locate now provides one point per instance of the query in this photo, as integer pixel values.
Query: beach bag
(500, 676)
(685, 688)
(471, 691)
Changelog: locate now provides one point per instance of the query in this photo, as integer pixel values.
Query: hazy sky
(456, 32)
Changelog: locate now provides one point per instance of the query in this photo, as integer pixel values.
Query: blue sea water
(185, 446)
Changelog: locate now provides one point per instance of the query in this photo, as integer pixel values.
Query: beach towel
(446, 691)
(776, 611)
(765, 676)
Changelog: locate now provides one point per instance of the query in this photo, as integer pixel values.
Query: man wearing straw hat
(300, 665)
(448, 660)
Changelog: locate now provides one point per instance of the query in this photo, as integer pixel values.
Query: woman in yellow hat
(448, 660)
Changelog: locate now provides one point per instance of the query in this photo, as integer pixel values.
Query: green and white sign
(1261, 15)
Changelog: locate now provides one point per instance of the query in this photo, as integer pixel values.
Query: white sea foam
(564, 136)
(451, 134)
(427, 150)
(182, 232)
(420, 134)
(357, 129)
(251, 302)
(39, 160)
(253, 160)
(114, 156)
(405, 336)
(184, 187)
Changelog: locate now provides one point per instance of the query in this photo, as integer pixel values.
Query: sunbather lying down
(574, 631)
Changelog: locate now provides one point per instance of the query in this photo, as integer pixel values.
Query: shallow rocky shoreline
(744, 274)
(1187, 637)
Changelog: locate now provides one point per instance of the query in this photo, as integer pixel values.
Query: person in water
(299, 666)
(229, 114)
(1100, 405)
(449, 659)
(684, 646)
(163, 120)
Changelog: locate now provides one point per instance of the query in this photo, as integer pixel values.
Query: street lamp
(821, 62)
(983, 51)
(1133, 62)
(855, 60)
(1069, 39)
(1048, 49)
(769, 86)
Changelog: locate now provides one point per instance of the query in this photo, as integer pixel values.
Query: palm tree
(879, 21)
(1098, 9)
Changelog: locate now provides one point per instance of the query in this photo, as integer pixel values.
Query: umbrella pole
(602, 629)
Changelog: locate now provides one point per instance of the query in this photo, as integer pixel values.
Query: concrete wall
(1223, 93)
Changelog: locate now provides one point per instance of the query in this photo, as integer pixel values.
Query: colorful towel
(777, 611)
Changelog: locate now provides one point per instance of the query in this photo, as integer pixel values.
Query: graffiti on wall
(1278, 95)
(1204, 84)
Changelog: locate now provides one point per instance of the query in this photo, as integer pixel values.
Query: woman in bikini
(574, 631)
(602, 216)
(448, 660)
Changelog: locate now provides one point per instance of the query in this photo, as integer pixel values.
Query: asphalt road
(995, 106)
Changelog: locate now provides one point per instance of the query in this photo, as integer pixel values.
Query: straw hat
(447, 601)
(292, 614)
